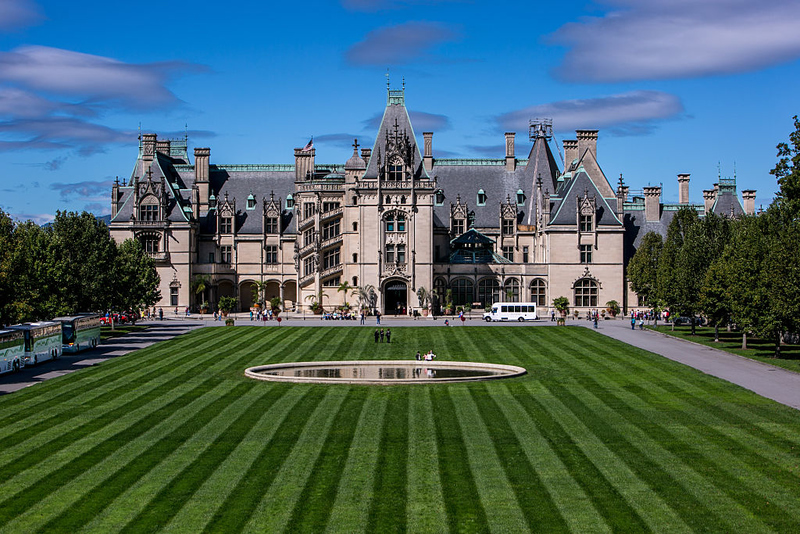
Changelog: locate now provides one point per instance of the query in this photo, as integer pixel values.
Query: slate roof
(565, 209)
(395, 114)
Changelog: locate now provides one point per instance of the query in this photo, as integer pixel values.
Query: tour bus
(12, 350)
(79, 332)
(511, 311)
(42, 341)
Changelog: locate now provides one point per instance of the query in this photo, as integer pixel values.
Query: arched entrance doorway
(395, 297)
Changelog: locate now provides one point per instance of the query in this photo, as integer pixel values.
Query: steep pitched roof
(566, 209)
(395, 120)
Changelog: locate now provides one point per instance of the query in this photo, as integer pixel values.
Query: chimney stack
(652, 201)
(511, 162)
(427, 159)
(365, 155)
(201, 175)
(587, 140)
(570, 152)
(163, 146)
(304, 163)
(148, 148)
(709, 197)
(749, 198)
(683, 188)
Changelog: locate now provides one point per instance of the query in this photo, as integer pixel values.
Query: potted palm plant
(226, 304)
(424, 299)
(275, 304)
(562, 305)
(316, 302)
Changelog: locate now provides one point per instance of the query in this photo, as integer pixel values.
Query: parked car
(687, 321)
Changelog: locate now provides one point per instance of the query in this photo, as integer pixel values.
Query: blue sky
(673, 85)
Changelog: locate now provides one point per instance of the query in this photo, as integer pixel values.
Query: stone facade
(392, 220)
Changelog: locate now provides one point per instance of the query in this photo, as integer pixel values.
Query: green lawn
(757, 349)
(597, 437)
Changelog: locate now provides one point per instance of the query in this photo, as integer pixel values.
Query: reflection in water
(387, 372)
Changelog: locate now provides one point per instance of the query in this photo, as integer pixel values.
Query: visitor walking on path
(633, 322)
(378, 317)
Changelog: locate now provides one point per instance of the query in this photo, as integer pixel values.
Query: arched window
(355, 281)
(462, 292)
(511, 290)
(481, 198)
(489, 291)
(401, 222)
(520, 197)
(289, 202)
(148, 210)
(439, 286)
(388, 222)
(150, 244)
(439, 198)
(585, 293)
(355, 226)
(355, 259)
(539, 292)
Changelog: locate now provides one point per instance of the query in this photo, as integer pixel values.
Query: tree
(643, 267)
(6, 278)
(32, 286)
(366, 295)
(260, 289)
(80, 262)
(424, 297)
(346, 288)
(136, 278)
(787, 171)
(226, 304)
(714, 295)
(200, 283)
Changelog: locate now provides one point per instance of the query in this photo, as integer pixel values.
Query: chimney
(201, 175)
(570, 152)
(546, 207)
(652, 207)
(148, 148)
(511, 162)
(683, 188)
(587, 139)
(427, 158)
(365, 154)
(709, 196)
(163, 147)
(749, 198)
(304, 163)
(114, 198)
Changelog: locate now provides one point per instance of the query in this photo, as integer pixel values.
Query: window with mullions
(525, 255)
(539, 292)
(585, 222)
(585, 293)
(508, 253)
(401, 222)
(489, 291)
(271, 254)
(389, 222)
(586, 253)
(148, 212)
(332, 282)
(150, 244)
(462, 292)
(226, 225)
(308, 237)
(308, 266)
(511, 290)
(389, 253)
(329, 206)
(330, 230)
(330, 259)
(508, 226)
(173, 296)
(271, 225)
(309, 209)
(459, 226)
(226, 253)
(395, 173)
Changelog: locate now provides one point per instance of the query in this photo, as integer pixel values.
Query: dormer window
(395, 171)
(212, 201)
(289, 202)
(481, 197)
(148, 212)
(439, 197)
(251, 202)
(585, 223)
(520, 197)
(271, 225)
(226, 225)
(459, 226)
(508, 226)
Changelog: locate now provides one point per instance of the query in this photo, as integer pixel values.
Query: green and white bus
(42, 341)
(79, 332)
(12, 350)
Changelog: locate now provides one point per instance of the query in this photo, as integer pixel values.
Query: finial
(387, 79)
(621, 182)
(404, 83)
(355, 147)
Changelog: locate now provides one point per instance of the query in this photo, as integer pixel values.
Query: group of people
(380, 334)
(428, 356)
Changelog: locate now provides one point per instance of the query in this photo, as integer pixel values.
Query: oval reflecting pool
(382, 372)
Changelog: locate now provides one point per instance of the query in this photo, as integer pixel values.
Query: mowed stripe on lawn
(597, 437)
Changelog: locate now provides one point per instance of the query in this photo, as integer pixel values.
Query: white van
(511, 311)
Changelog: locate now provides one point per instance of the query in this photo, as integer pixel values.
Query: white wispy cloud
(663, 39)
(400, 44)
(17, 14)
(420, 120)
(627, 113)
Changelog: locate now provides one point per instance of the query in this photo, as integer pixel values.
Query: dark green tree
(6, 277)
(28, 268)
(787, 171)
(643, 267)
(81, 257)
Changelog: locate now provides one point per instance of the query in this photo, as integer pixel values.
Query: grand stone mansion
(394, 219)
